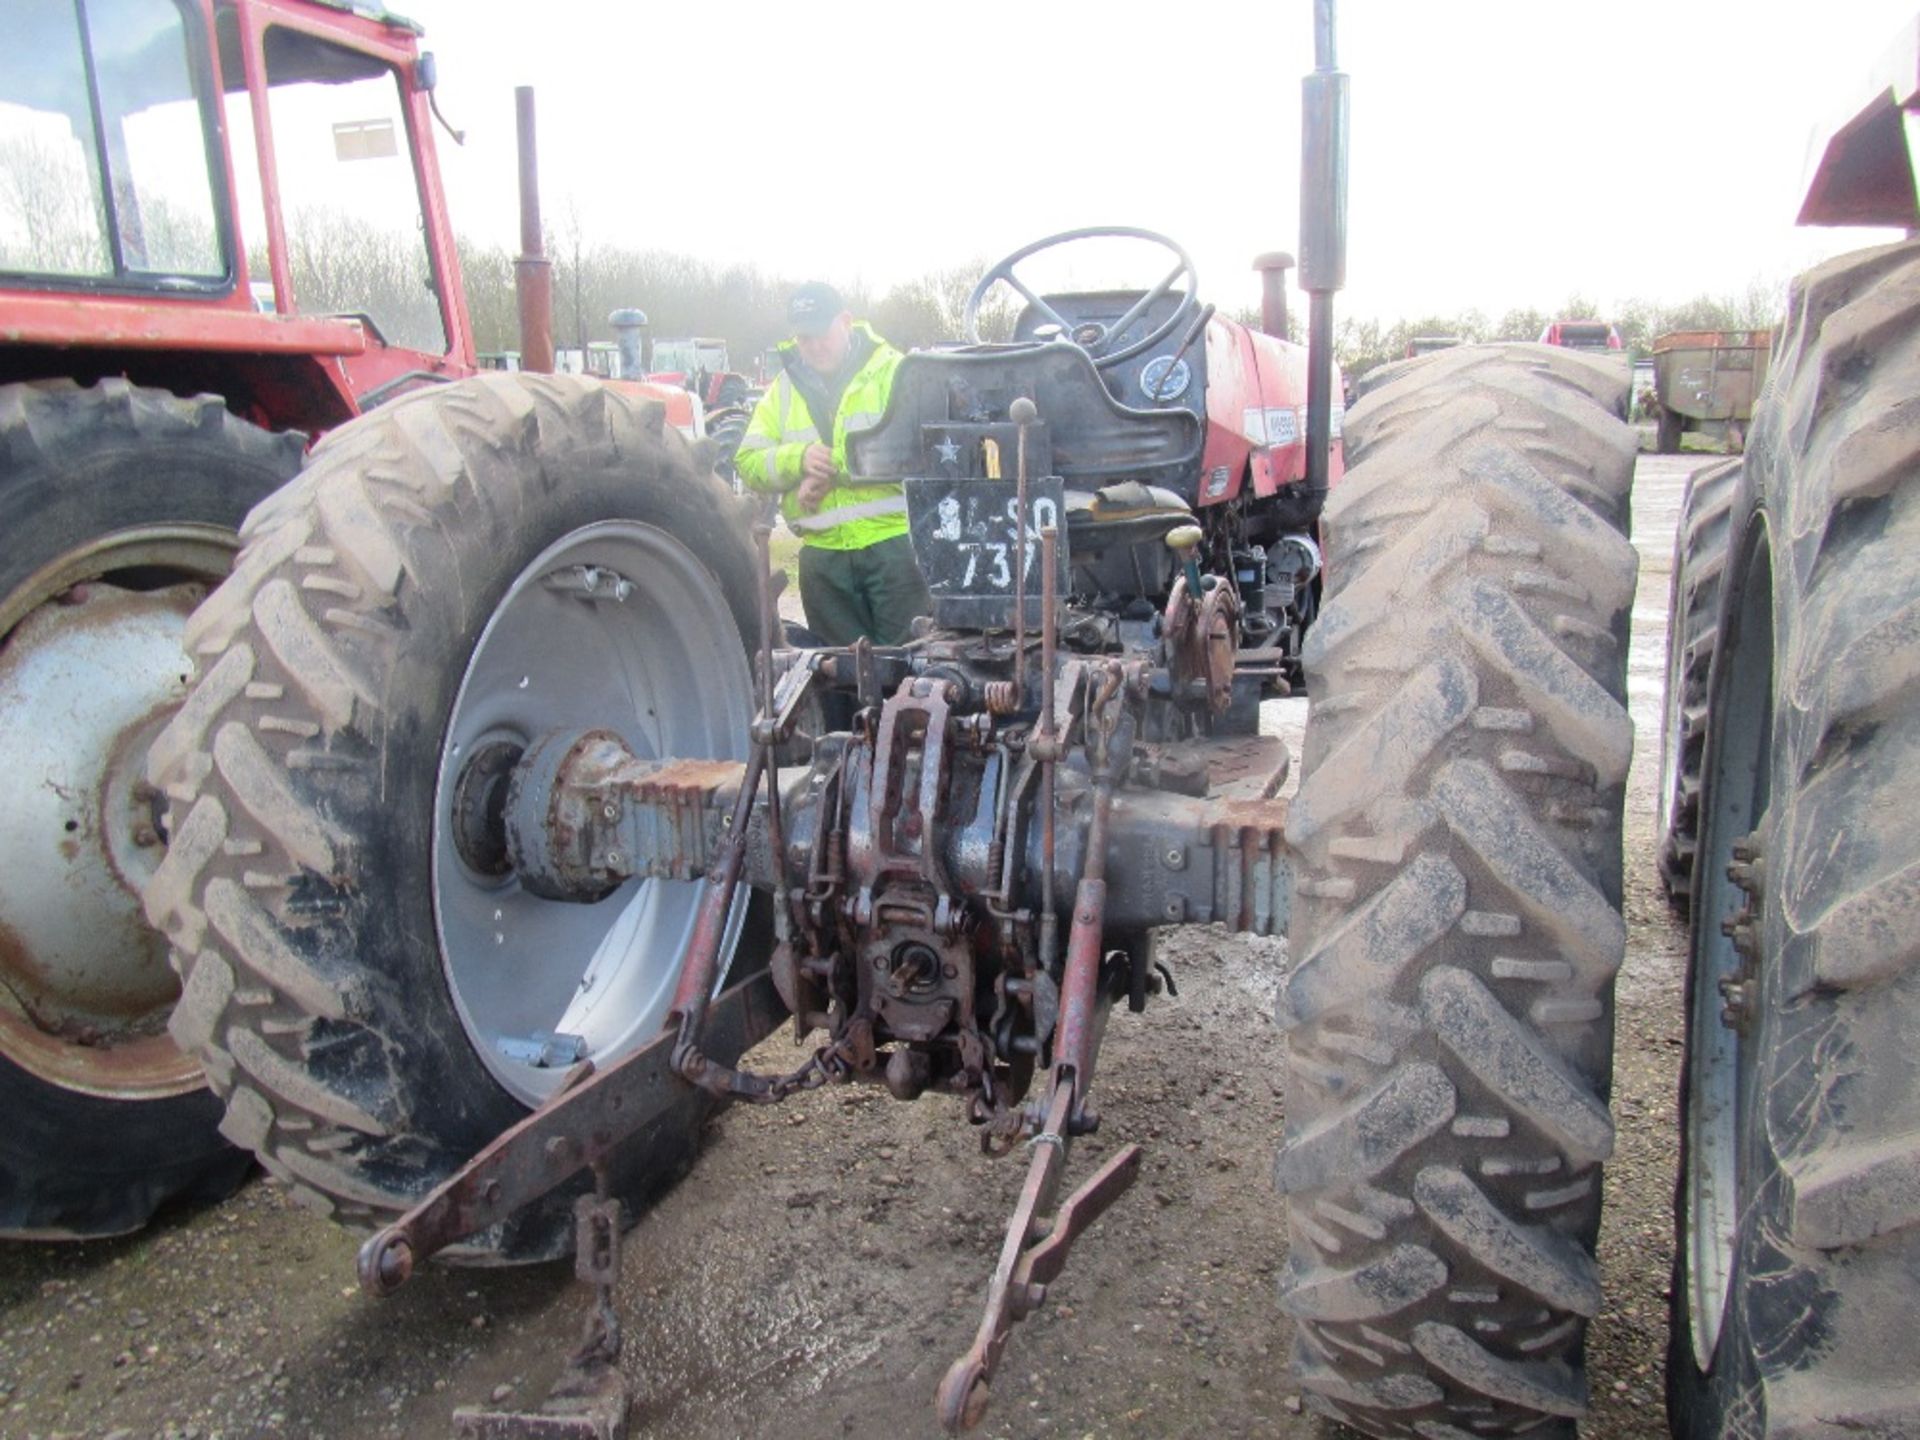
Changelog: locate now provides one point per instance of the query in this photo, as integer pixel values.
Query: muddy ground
(827, 1259)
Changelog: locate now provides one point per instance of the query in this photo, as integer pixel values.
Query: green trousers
(875, 592)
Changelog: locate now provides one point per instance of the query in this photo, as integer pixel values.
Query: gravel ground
(827, 1259)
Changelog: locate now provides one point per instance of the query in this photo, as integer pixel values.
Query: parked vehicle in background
(1427, 344)
(700, 364)
(1705, 381)
(1582, 335)
(176, 319)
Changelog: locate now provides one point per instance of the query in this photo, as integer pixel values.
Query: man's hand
(811, 492)
(816, 462)
(816, 467)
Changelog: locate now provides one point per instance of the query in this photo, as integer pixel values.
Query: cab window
(349, 200)
(104, 169)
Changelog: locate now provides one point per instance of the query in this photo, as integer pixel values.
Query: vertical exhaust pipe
(1323, 237)
(1273, 268)
(532, 271)
(629, 334)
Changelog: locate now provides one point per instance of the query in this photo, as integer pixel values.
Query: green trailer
(1706, 381)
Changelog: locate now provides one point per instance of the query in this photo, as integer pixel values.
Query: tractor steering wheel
(1102, 342)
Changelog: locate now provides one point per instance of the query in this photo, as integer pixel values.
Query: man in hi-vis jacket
(857, 572)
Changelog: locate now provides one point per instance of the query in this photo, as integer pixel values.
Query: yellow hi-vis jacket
(852, 516)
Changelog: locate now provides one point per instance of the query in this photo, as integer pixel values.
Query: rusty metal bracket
(1036, 1248)
(581, 1126)
(790, 692)
(896, 845)
(589, 1399)
(1028, 1265)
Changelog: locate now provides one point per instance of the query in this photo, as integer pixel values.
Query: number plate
(966, 537)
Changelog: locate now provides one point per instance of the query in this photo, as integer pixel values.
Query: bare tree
(931, 308)
(51, 219)
(343, 265)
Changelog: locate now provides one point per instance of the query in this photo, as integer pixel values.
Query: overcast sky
(1504, 152)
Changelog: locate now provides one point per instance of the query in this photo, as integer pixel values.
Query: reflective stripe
(773, 452)
(828, 519)
(790, 434)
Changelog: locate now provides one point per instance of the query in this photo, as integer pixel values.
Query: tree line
(1360, 342)
(683, 295)
(746, 306)
(49, 221)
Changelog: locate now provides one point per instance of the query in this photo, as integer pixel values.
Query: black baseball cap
(813, 307)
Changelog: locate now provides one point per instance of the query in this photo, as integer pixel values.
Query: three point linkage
(913, 866)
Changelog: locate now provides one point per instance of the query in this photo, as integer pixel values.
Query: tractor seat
(1128, 513)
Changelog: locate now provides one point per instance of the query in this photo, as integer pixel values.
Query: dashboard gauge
(1165, 378)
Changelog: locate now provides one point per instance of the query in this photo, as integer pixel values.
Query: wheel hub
(616, 626)
(85, 683)
(479, 827)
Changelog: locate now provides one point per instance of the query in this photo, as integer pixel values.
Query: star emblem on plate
(948, 451)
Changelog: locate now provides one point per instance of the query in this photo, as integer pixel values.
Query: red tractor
(1595, 335)
(481, 892)
(222, 233)
(497, 822)
(701, 367)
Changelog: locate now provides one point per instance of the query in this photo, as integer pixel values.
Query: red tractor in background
(700, 366)
(1582, 335)
(223, 233)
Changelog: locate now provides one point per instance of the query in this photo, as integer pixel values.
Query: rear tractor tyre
(1593, 375)
(454, 575)
(1797, 1254)
(119, 508)
(1693, 625)
(1456, 918)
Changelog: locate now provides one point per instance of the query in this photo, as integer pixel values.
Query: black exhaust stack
(1323, 239)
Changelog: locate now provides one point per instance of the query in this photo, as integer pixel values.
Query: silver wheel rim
(1740, 767)
(1712, 1177)
(90, 670)
(618, 626)
(1672, 741)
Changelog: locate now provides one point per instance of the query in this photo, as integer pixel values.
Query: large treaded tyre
(342, 988)
(1797, 1265)
(118, 508)
(1456, 924)
(1600, 378)
(1693, 625)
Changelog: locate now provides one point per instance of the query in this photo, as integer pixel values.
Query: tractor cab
(236, 196)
